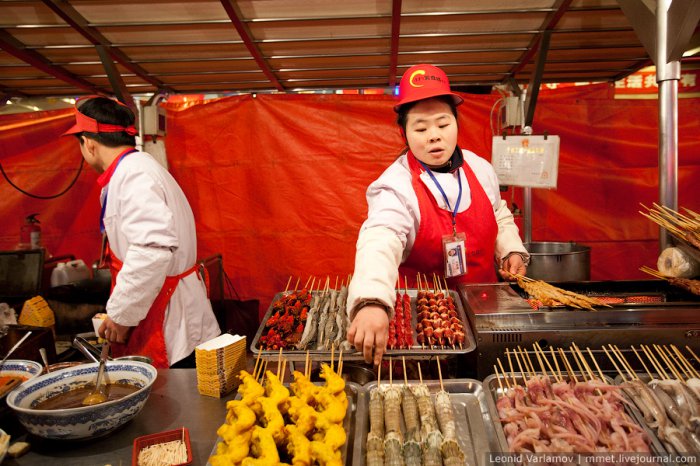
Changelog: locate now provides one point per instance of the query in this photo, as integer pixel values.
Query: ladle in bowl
(98, 396)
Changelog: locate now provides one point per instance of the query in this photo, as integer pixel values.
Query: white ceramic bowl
(85, 421)
(20, 368)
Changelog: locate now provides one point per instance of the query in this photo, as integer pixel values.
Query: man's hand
(113, 332)
(513, 264)
(369, 331)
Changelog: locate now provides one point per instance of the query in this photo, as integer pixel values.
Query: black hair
(402, 113)
(107, 111)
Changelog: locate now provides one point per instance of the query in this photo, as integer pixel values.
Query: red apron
(478, 222)
(147, 338)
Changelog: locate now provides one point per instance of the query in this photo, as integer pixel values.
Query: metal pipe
(667, 76)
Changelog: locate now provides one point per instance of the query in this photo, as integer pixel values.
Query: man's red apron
(478, 222)
(147, 338)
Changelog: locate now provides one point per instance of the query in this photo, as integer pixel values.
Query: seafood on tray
(429, 435)
(270, 424)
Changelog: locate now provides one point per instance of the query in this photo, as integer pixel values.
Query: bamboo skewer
(257, 361)
(287, 287)
(504, 372)
(569, 369)
(420, 374)
(279, 363)
(500, 385)
(646, 369)
(551, 369)
(693, 353)
(340, 362)
(691, 369)
(670, 366)
(675, 362)
(590, 353)
(585, 363)
(556, 363)
(659, 370)
(262, 372)
(284, 369)
(624, 362)
(296, 285)
(437, 358)
(306, 365)
(391, 370)
(405, 376)
(510, 366)
(522, 374)
(379, 375)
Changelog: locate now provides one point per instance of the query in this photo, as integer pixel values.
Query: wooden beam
(243, 31)
(395, 35)
(75, 20)
(14, 47)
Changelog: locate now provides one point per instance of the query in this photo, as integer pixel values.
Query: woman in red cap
(158, 306)
(436, 210)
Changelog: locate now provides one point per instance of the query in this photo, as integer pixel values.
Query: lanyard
(104, 202)
(444, 196)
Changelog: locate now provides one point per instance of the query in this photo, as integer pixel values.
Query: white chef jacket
(387, 236)
(150, 227)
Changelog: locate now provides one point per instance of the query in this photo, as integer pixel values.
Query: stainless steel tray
(640, 418)
(357, 403)
(493, 391)
(472, 419)
(415, 352)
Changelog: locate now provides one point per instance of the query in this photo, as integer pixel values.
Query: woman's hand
(511, 265)
(113, 332)
(369, 331)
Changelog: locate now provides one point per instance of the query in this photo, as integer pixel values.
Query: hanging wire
(37, 196)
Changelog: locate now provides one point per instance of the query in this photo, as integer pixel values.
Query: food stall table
(173, 403)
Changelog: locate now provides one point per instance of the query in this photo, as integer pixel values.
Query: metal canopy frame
(177, 46)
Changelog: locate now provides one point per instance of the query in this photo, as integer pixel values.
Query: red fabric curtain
(277, 182)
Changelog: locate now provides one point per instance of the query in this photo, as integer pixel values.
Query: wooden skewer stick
(379, 374)
(584, 362)
(624, 362)
(529, 361)
(405, 376)
(659, 370)
(437, 358)
(332, 355)
(500, 385)
(693, 353)
(539, 361)
(569, 369)
(556, 363)
(284, 369)
(340, 362)
(391, 371)
(670, 366)
(307, 365)
(646, 369)
(624, 379)
(306, 285)
(279, 363)
(296, 285)
(257, 361)
(287, 287)
(544, 356)
(262, 372)
(691, 369)
(510, 366)
(581, 370)
(522, 355)
(503, 372)
(590, 353)
(522, 374)
(676, 363)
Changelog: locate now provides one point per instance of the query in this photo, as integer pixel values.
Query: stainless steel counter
(173, 403)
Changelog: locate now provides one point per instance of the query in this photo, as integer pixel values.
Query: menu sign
(527, 161)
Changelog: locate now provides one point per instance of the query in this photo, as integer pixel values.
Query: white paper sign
(528, 161)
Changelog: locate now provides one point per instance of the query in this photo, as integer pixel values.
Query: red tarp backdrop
(277, 182)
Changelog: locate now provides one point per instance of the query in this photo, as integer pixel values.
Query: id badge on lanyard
(455, 254)
(453, 245)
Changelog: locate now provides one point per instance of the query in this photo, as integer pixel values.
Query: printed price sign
(528, 161)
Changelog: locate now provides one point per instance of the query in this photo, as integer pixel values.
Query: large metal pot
(559, 262)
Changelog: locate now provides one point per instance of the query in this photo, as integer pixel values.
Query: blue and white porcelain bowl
(20, 368)
(85, 421)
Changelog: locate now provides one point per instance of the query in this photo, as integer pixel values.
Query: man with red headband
(436, 210)
(158, 306)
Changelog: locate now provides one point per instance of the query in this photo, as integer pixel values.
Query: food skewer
(600, 372)
(659, 370)
(624, 379)
(504, 373)
(646, 369)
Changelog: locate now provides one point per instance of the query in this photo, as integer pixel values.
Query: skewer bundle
(271, 425)
(567, 414)
(327, 322)
(549, 295)
(686, 283)
(684, 227)
(437, 322)
(400, 326)
(429, 437)
(670, 400)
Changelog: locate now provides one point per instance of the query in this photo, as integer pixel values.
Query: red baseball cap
(423, 82)
(84, 123)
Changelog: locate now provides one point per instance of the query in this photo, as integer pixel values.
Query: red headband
(84, 123)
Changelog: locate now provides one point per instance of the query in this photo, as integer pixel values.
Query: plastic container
(69, 272)
(162, 437)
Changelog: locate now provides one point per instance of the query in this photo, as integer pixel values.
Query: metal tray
(472, 419)
(493, 391)
(357, 403)
(640, 418)
(415, 352)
